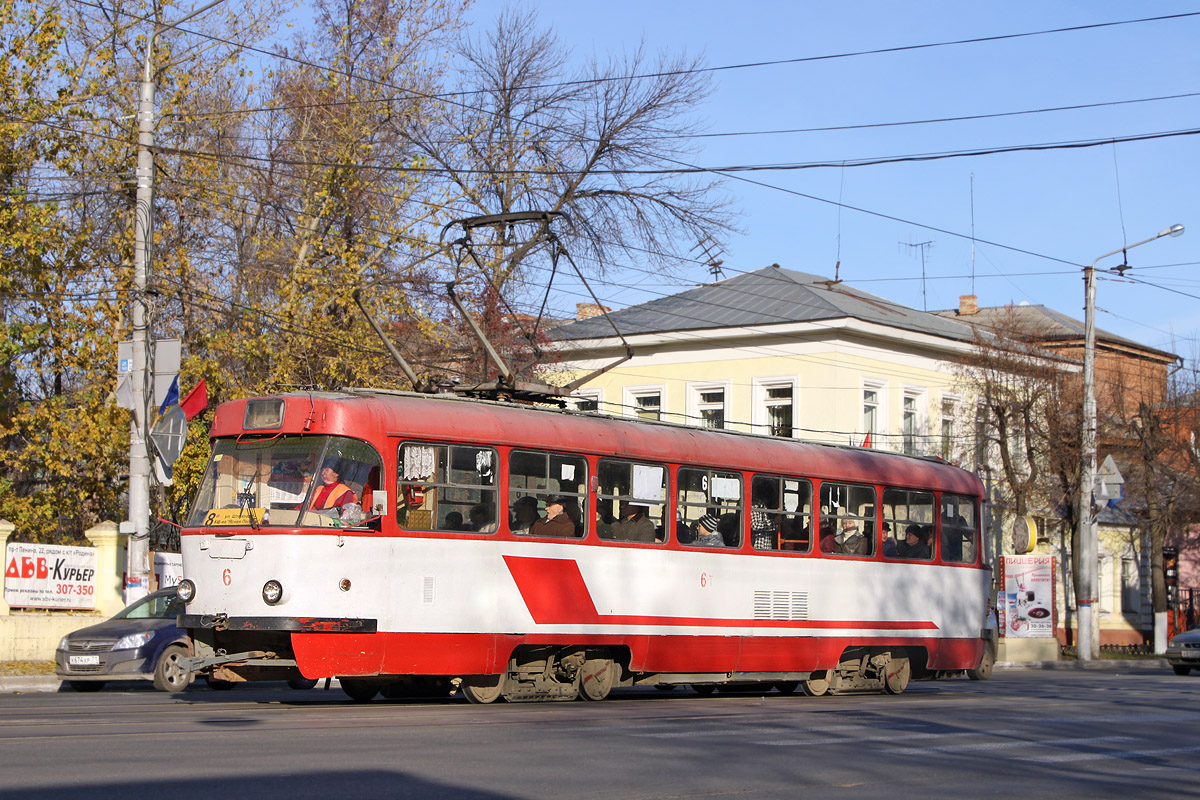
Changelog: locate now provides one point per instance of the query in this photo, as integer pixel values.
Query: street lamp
(1089, 546)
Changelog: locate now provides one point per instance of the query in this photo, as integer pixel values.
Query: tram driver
(333, 494)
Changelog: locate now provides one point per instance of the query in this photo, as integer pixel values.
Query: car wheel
(1181, 669)
(302, 683)
(170, 674)
(86, 686)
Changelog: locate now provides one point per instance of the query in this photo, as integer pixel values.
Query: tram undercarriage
(538, 673)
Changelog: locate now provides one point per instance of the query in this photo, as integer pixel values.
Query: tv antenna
(707, 247)
(924, 248)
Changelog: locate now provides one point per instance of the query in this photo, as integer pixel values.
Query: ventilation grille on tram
(780, 605)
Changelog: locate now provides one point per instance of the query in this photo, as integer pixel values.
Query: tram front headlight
(185, 590)
(272, 592)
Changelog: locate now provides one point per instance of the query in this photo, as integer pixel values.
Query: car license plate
(80, 661)
(1190, 656)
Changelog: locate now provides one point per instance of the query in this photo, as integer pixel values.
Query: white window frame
(761, 416)
(880, 390)
(920, 418)
(947, 448)
(594, 395)
(693, 402)
(632, 393)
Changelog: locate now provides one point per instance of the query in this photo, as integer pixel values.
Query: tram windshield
(312, 481)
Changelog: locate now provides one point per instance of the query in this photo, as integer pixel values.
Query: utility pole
(1089, 546)
(137, 564)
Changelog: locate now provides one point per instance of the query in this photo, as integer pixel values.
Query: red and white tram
(401, 541)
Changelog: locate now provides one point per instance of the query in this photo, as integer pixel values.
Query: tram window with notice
(960, 529)
(908, 524)
(547, 494)
(447, 488)
(847, 519)
(780, 513)
(631, 501)
(709, 510)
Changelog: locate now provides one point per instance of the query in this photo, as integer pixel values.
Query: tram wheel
(984, 670)
(483, 689)
(596, 678)
(359, 690)
(899, 671)
(817, 684)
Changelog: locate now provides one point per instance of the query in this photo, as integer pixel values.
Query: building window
(870, 410)
(648, 405)
(711, 406)
(981, 435)
(585, 401)
(949, 408)
(908, 425)
(778, 402)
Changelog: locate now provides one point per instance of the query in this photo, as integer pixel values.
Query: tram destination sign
(49, 576)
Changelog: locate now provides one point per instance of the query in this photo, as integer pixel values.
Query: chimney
(968, 305)
(589, 310)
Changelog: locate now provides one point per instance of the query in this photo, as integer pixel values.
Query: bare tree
(525, 134)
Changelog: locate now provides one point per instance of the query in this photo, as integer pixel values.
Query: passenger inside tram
(556, 522)
(524, 514)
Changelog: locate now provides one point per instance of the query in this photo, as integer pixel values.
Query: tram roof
(376, 414)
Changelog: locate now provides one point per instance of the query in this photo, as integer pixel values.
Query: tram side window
(445, 487)
(847, 519)
(709, 511)
(780, 513)
(907, 524)
(960, 529)
(547, 493)
(631, 501)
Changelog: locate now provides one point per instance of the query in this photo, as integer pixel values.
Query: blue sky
(1069, 205)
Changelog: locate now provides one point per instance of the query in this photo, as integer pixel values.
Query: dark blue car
(140, 643)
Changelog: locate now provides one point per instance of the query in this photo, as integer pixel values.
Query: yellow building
(780, 352)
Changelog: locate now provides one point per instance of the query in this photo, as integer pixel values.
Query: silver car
(1183, 653)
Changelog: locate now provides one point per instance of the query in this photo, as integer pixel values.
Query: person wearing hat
(707, 531)
(634, 525)
(914, 545)
(332, 493)
(851, 541)
(556, 522)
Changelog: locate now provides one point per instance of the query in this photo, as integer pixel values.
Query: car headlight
(185, 590)
(62, 643)
(272, 592)
(133, 640)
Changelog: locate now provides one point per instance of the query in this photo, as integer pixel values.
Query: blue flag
(172, 397)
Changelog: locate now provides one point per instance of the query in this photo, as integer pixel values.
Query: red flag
(196, 401)
(866, 441)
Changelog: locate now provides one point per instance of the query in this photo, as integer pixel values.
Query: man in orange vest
(333, 493)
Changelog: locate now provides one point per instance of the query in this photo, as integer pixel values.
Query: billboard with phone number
(1027, 602)
(49, 576)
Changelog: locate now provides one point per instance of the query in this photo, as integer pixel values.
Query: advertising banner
(168, 569)
(49, 576)
(1027, 596)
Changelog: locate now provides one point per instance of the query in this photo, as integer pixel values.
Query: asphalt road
(1133, 732)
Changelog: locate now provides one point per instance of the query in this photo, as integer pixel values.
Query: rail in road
(1026, 733)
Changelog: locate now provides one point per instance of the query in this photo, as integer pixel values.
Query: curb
(22, 684)
(1107, 665)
